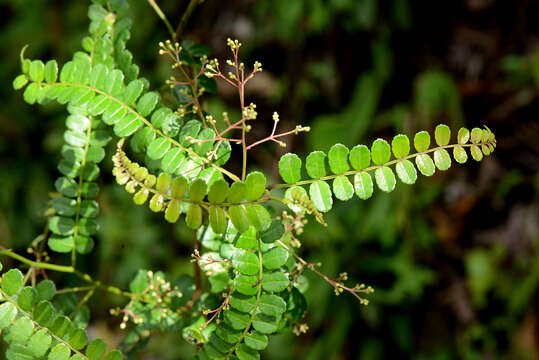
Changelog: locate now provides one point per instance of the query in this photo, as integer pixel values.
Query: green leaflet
(275, 281)
(243, 303)
(238, 216)
(258, 216)
(218, 192)
(197, 190)
(320, 194)
(338, 159)
(400, 146)
(274, 258)
(380, 152)
(460, 154)
(463, 136)
(385, 179)
(421, 141)
(266, 324)
(246, 262)
(255, 184)
(237, 191)
(425, 164)
(12, 280)
(172, 213)
(256, 341)
(193, 218)
(406, 171)
(442, 160)
(342, 188)
(316, 164)
(7, 314)
(290, 168)
(442, 135)
(363, 185)
(360, 157)
(246, 284)
(218, 219)
(272, 305)
(243, 352)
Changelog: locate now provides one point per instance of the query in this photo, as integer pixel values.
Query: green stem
(71, 270)
(374, 167)
(75, 289)
(39, 265)
(162, 16)
(190, 8)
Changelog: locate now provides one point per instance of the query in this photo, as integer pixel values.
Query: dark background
(454, 259)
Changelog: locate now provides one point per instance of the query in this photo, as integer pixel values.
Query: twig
(192, 5)
(162, 16)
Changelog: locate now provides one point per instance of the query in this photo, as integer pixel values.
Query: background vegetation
(454, 260)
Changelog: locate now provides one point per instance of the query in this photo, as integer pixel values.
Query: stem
(39, 265)
(374, 167)
(71, 270)
(192, 5)
(161, 15)
(196, 267)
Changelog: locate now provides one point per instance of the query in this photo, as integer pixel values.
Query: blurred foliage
(455, 261)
